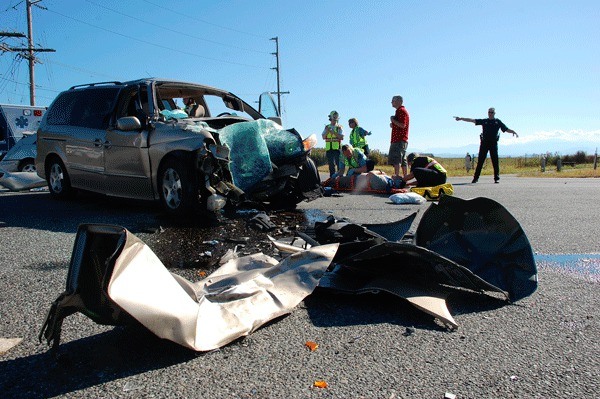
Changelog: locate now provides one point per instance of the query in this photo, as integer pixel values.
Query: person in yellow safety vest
(355, 160)
(332, 134)
(426, 171)
(358, 135)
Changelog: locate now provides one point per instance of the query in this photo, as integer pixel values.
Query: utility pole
(279, 92)
(27, 52)
(30, 56)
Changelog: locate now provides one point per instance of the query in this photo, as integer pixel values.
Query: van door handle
(97, 143)
(107, 144)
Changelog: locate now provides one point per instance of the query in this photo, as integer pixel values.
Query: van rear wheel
(58, 179)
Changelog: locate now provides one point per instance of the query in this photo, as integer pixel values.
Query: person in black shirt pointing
(489, 141)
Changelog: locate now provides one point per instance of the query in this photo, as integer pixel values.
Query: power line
(74, 68)
(28, 52)
(154, 44)
(204, 21)
(187, 34)
(27, 84)
(14, 7)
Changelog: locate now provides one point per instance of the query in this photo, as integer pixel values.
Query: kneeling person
(426, 171)
(355, 160)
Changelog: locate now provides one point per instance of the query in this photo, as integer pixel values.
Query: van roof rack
(95, 84)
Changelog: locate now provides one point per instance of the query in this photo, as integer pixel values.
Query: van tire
(59, 182)
(309, 178)
(178, 190)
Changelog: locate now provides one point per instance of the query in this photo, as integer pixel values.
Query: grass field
(520, 166)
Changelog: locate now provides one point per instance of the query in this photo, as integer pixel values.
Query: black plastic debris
(481, 235)
(473, 245)
(261, 222)
(333, 230)
(330, 192)
(395, 231)
(95, 251)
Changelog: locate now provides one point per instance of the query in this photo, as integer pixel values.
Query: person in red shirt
(399, 123)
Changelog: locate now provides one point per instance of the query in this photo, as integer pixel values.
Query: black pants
(484, 147)
(333, 160)
(428, 177)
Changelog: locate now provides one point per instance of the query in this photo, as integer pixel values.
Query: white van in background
(16, 122)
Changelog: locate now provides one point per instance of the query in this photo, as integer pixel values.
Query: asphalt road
(370, 346)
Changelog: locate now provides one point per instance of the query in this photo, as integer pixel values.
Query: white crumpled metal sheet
(235, 300)
(19, 181)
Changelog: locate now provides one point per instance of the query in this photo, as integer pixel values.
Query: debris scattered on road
(262, 222)
(313, 346)
(20, 181)
(473, 245)
(409, 331)
(7, 344)
(320, 384)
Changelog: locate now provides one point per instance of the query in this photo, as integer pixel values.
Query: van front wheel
(178, 190)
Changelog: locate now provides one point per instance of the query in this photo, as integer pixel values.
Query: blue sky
(537, 62)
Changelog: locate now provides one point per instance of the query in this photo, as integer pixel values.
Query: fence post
(558, 164)
(543, 163)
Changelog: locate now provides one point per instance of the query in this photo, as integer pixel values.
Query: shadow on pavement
(86, 362)
(330, 309)
(66, 215)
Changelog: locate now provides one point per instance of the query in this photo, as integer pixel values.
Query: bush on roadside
(318, 155)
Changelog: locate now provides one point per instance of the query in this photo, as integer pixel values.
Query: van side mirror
(128, 123)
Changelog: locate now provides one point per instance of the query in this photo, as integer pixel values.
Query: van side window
(93, 111)
(133, 101)
(62, 108)
(79, 108)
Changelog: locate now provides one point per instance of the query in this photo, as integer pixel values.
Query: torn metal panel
(114, 278)
(20, 181)
(481, 235)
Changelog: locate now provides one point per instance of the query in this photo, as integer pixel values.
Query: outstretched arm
(458, 118)
(513, 132)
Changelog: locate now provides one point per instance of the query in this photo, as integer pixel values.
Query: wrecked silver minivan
(135, 140)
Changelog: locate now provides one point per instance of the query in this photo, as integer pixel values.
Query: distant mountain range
(561, 147)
